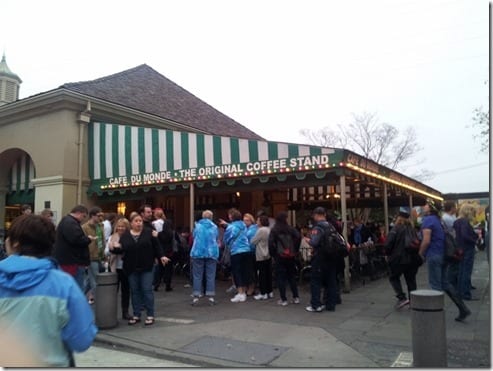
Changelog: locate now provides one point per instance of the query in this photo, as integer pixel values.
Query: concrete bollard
(106, 300)
(428, 329)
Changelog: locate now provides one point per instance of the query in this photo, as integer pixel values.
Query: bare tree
(481, 121)
(366, 135)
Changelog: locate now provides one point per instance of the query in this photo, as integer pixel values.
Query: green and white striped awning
(122, 156)
(21, 174)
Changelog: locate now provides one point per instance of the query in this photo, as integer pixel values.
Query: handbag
(226, 257)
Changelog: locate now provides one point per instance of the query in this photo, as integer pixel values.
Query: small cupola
(9, 83)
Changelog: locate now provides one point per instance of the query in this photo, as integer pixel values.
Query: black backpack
(332, 244)
(285, 246)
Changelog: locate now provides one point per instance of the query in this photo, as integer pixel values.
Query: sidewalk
(365, 331)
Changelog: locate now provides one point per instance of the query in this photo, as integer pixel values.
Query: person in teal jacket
(252, 229)
(204, 254)
(40, 302)
(235, 237)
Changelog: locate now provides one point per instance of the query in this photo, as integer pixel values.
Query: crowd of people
(143, 250)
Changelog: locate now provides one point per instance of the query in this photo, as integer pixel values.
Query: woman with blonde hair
(466, 238)
(114, 250)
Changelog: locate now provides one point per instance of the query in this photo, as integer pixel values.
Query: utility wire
(461, 168)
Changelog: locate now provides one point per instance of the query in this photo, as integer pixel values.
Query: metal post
(386, 208)
(428, 329)
(347, 275)
(192, 206)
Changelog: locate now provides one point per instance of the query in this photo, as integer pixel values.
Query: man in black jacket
(71, 244)
(324, 269)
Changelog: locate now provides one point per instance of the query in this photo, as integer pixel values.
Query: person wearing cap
(431, 250)
(402, 260)
(323, 271)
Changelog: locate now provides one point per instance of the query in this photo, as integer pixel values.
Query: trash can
(106, 300)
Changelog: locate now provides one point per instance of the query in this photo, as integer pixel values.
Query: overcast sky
(280, 66)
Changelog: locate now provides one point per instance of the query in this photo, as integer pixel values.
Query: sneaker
(231, 290)
(311, 309)
(187, 285)
(239, 298)
(261, 297)
(282, 302)
(402, 303)
(295, 301)
(212, 301)
(271, 295)
(195, 300)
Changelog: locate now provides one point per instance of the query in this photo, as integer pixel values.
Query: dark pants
(465, 273)
(252, 268)
(162, 273)
(453, 275)
(409, 271)
(323, 275)
(168, 274)
(239, 268)
(286, 272)
(265, 276)
(125, 290)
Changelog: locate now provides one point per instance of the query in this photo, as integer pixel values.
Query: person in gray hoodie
(262, 257)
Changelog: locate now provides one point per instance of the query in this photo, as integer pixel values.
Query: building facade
(136, 137)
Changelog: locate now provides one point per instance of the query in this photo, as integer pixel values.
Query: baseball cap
(319, 211)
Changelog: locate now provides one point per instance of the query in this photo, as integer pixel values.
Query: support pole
(192, 206)
(386, 208)
(347, 275)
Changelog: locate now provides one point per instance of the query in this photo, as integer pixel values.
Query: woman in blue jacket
(204, 254)
(235, 237)
(38, 301)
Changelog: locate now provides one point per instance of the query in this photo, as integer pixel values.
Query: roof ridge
(108, 77)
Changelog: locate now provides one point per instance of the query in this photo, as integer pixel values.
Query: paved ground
(365, 331)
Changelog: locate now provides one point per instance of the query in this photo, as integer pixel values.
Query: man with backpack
(323, 263)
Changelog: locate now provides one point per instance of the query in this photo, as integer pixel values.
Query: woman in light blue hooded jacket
(235, 236)
(40, 303)
(204, 254)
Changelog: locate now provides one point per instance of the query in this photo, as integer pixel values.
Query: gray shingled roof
(144, 89)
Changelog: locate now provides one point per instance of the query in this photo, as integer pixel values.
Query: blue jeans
(80, 276)
(465, 272)
(323, 276)
(92, 272)
(142, 294)
(199, 266)
(437, 272)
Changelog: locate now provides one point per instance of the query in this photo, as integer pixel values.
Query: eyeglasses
(101, 215)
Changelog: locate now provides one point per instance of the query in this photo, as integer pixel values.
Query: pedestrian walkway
(105, 357)
(364, 331)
